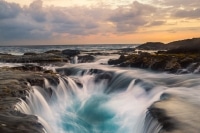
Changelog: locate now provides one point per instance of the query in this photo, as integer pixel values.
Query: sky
(52, 22)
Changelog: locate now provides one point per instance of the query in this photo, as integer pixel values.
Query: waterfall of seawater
(100, 100)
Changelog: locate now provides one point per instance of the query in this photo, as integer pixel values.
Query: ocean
(19, 50)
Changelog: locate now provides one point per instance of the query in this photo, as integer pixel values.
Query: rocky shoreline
(172, 63)
(176, 57)
(14, 80)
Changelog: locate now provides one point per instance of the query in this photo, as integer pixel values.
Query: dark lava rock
(14, 86)
(128, 50)
(30, 53)
(168, 123)
(28, 67)
(189, 46)
(48, 71)
(121, 59)
(186, 61)
(16, 122)
(4, 54)
(175, 47)
(174, 113)
(95, 71)
(85, 58)
(38, 58)
(152, 46)
(70, 52)
(78, 82)
(158, 62)
(53, 52)
(103, 76)
(98, 53)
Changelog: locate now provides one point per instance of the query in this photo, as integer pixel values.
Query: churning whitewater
(93, 98)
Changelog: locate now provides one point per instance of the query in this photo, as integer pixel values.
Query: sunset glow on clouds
(97, 21)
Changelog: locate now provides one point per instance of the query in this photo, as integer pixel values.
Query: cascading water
(102, 100)
(88, 107)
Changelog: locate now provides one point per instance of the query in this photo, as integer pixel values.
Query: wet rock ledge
(13, 87)
(48, 57)
(173, 63)
(181, 56)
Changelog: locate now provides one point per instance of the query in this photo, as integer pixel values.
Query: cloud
(36, 11)
(15, 29)
(177, 3)
(16, 23)
(40, 22)
(9, 10)
(156, 23)
(75, 20)
(195, 13)
(129, 19)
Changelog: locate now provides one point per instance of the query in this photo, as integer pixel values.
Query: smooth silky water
(93, 98)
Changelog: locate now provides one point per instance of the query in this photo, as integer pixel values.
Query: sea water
(96, 98)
